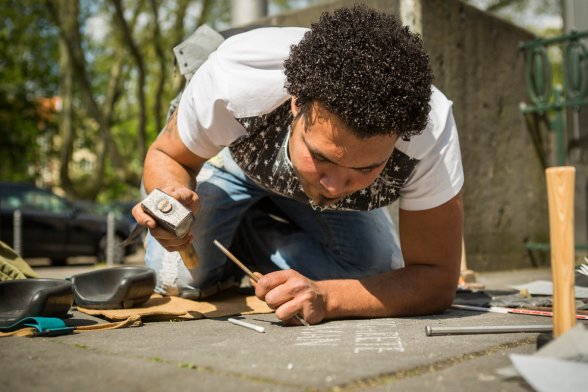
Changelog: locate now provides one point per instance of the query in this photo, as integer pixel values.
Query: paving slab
(467, 373)
(391, 354)
(344, 354)
(48, 364)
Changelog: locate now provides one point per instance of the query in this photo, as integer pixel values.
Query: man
(330, 126)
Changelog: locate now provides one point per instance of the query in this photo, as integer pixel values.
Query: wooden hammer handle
(560, 196)
(189, 257)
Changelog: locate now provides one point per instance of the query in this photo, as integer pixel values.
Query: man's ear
(294, 107)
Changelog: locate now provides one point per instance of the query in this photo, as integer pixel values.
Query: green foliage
(28, 71)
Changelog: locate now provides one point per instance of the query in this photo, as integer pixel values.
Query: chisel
(249, 273)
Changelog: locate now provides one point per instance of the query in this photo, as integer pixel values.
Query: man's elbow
(440, 300)
(443, 301)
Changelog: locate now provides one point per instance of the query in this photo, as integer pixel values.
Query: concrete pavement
(392, 354)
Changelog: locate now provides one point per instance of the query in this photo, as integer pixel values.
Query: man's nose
(334, 182)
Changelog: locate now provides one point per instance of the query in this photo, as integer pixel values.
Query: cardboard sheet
(547, 374)
(159, 308)
(560, 366)
(545, 287)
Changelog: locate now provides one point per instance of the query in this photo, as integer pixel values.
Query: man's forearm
(169, 162)
(161, 170)
(413, 290)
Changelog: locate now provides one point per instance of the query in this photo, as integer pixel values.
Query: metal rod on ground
(17, 230)
(110, 239)
(560, 196)
(436, 331)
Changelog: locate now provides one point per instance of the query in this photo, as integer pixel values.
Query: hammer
(175, 218)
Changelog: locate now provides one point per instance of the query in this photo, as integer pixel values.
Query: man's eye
(318, 158)
(365, 172)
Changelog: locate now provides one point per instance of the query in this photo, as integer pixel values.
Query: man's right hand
(168, 240)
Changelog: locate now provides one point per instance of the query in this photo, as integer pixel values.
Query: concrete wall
(477, 64)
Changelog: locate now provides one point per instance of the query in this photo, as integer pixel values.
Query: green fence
(554, 100)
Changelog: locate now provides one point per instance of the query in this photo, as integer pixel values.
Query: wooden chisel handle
(189, 257)
(560, 196)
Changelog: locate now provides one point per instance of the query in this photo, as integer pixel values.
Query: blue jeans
(319, 245)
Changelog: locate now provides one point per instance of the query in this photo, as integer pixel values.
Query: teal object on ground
(45, 326)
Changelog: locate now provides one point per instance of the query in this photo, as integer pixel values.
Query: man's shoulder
(419, 145)
(440, 105)
(247, 70)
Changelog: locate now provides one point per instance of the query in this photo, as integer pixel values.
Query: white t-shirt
(237, 99)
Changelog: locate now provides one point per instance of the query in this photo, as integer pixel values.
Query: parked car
(121, 210)
(125, 209)
(54, 227)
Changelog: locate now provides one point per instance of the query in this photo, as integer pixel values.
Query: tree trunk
(66, 129)
(177, 38)
(70, 35)
(159, 52)
(205, 12)
(105, 145)
(138, 58)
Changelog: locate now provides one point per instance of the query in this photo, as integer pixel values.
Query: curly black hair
(365, 67)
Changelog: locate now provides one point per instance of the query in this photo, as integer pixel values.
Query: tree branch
(162, 67)
(138, 58)
(69, 32)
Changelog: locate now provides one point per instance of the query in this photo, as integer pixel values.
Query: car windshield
(34, 200)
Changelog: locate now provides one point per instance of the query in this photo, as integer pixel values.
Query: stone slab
(336, 353)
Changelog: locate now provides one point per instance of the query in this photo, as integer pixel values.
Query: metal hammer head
(168, 212)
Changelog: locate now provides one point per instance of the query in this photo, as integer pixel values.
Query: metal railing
(547, 97)
(552, 99)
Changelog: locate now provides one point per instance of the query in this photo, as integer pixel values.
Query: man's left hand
(289, 293)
